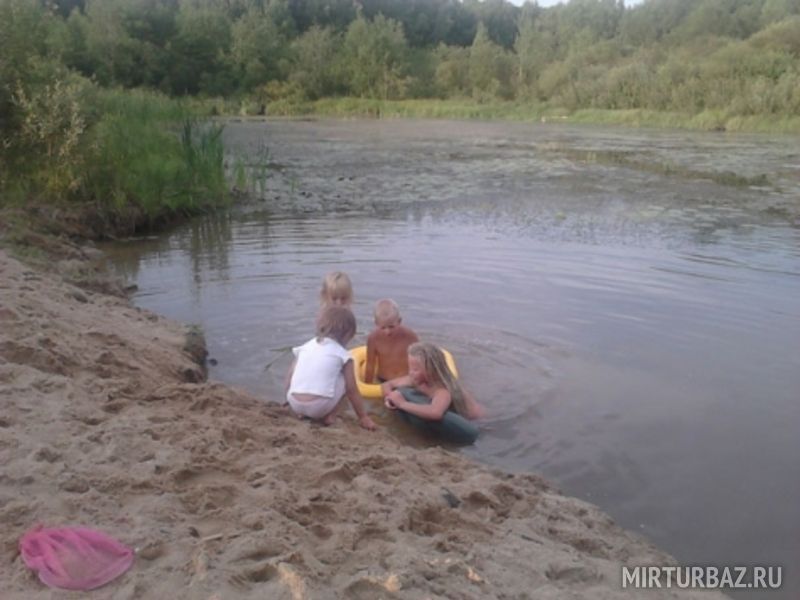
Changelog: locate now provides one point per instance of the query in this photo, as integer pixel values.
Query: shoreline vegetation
(94, 162)
(468, 108)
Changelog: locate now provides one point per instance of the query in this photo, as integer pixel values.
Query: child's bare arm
(356, 401)
(372, 360)
(434, 411)
(474, 409)
(393, 384)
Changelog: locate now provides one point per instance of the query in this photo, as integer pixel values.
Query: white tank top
(319, 365)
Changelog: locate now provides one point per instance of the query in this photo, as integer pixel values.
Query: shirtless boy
(387, 344)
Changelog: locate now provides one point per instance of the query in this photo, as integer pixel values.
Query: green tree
(316, 58)
(279, 13)
(259, 50)
(426, 23)
(67, 42)
(651, 22)
(776, 10)
(596, 19)
(490, 68)
(783, 36)
(452, 71)
(122, 43)
(730, 18)
(24, 29)
(323, 13)
(498, 17)
(374, 56)
(534, 47)
(151, 25)
(199, 51)
(109, 49)
(66, 7)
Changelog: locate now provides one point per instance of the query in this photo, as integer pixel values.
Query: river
(626, 303)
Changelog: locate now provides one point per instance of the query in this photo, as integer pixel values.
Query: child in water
(322, 373)
(429, 374)
(337, 290)
(387, 345)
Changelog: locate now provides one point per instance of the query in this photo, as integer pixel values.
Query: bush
(52, 126)
(150, 168)
(119, 158)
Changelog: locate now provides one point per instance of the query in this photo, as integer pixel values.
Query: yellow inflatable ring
(373, 390)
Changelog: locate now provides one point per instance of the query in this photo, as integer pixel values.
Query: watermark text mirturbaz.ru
(703, 577)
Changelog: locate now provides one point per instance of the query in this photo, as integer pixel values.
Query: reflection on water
(633, 330)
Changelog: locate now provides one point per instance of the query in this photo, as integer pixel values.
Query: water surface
(626, 303)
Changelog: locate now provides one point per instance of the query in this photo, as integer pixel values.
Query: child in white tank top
(323, 374)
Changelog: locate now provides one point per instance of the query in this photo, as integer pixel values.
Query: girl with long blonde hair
(429, 374)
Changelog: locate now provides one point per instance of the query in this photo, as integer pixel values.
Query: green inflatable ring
(452, 428)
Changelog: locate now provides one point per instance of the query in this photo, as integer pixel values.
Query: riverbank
(107, 422)
(710, 120)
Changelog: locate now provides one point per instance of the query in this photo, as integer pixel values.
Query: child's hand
(393, 400)
(386, 388)
(367, 423)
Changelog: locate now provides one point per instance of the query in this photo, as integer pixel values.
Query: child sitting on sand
(429, 374)
(387, 344)
(322, 373)
(337, 290)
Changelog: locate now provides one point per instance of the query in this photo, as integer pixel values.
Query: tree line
(674, 55)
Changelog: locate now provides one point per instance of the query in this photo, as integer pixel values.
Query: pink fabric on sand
(74, 558)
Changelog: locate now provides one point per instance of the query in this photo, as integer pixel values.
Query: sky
(553, 2)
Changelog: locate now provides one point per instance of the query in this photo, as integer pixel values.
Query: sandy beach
(107, 422)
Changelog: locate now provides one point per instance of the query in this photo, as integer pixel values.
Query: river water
(626, 303)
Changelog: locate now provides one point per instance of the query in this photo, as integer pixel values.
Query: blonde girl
(429, 374)
(337, 290)
(322, 373)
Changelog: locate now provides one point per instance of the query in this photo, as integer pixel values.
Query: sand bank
(105, 421)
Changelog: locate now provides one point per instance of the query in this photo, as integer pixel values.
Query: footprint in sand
(344, 474)
(248, 577)
(431, 520)
(572, 574)
(367, 534)
(367, 589)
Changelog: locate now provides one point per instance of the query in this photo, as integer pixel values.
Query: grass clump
(116, 160)
(152, 160)
(152, 169)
